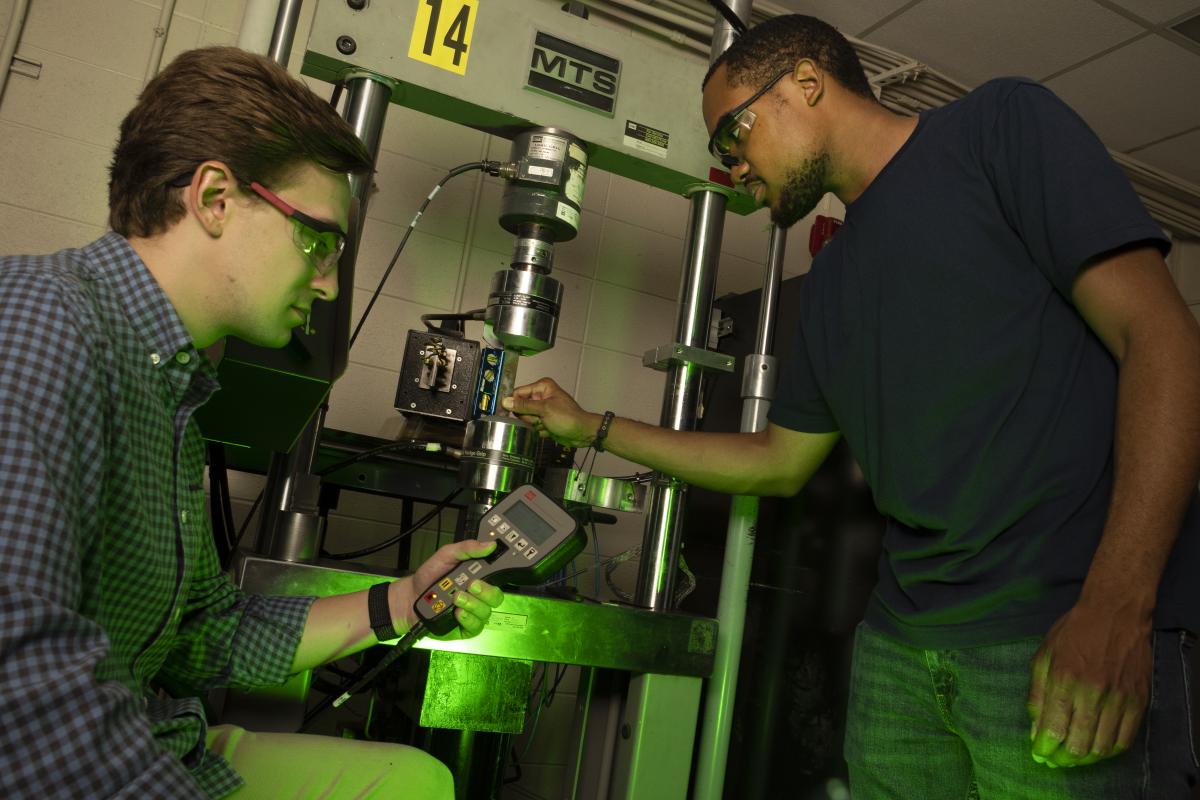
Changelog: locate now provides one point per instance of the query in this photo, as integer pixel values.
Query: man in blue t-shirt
(997, 337)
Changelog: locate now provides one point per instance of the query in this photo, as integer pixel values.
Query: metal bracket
(26, 67)
(758, 381)
(718, 326)
(595, 490)
(666, 355)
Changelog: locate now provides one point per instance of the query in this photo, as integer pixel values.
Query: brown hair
(225, 104)
(778, 43)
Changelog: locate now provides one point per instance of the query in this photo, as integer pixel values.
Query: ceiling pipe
(161, 29)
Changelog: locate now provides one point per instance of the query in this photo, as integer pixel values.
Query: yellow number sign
(442, 33)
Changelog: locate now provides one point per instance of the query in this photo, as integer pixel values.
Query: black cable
(559, 673)
(246, 522)
(360, 682)
(603, 563)
(365, 454)
(516, 765)
(366, 551)
(474, 315)
(220, 508)
(477, 315)
(733, 19)
(485, 165)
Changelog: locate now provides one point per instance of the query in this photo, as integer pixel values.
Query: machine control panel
(535, 537)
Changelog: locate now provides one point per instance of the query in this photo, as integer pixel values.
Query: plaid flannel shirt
(109, 579)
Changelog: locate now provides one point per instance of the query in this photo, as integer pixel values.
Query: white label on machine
(547, 148)
(646, 139)
(512, 622)
(541, 172)
(568, 215)
(574, 187)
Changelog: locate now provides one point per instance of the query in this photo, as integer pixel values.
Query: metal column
(661, 541)
(286, 20)
(658, 727)
(758, 389)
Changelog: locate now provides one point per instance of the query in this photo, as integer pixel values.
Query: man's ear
(811, 80)
(208, 197)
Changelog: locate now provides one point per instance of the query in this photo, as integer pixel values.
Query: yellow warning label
(442, 33)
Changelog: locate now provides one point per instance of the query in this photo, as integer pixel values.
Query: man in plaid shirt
(229, 203)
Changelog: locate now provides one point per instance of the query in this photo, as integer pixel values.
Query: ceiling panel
(1140, 93)
(1176, 156)
(851, 18)
(974, 40)
(1144, 90)
(1158, 11)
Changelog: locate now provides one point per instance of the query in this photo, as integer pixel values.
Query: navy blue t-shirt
(937, 334)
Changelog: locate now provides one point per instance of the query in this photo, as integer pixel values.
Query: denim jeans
(953, 725)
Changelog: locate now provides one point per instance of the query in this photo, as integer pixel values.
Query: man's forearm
(734, 463)
(339, 626)
(1157, 465)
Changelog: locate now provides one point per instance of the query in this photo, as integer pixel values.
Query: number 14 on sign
(442, 33)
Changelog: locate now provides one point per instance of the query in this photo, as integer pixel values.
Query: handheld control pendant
(535, 537)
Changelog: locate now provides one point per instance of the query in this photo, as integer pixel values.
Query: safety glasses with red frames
(323, 242)
(735, 125)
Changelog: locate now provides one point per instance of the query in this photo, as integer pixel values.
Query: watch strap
(379, 612)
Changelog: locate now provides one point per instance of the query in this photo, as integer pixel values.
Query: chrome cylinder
(532, 250)
(286, 21)
(498, 454)
(760, 376)
(522, 310)
(664, 529)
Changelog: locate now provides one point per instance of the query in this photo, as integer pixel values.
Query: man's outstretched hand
(554, 413)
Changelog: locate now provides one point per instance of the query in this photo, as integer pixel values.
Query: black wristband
(379, 611)
(598, 443)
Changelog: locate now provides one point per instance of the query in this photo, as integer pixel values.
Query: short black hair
(778, 43)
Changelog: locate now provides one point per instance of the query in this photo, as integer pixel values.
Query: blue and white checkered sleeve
(65, 734)
(229, 638)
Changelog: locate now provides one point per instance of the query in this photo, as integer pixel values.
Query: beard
(803, 189)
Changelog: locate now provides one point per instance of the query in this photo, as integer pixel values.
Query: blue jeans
(953, 725)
